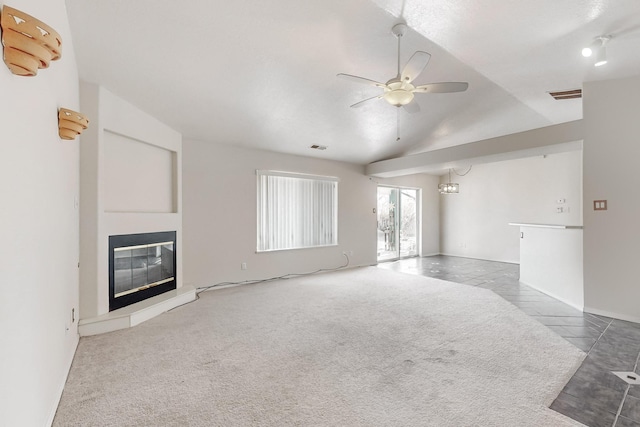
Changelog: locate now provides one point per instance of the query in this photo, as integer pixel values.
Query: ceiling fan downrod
(398, 30)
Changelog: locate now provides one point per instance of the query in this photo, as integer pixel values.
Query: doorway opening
(398, 226)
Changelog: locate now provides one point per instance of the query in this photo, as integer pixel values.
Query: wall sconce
(29, 44)
(71, 123)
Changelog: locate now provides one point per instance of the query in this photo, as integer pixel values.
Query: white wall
(220, 214)
(118, 122)
(611, 155)
(39, 252)
(474, 223)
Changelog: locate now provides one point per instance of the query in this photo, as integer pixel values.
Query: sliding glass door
(397, 222)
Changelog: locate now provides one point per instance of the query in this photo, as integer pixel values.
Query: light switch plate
(599, 205)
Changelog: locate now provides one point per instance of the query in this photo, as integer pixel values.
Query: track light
(599, 48)
(601, 55)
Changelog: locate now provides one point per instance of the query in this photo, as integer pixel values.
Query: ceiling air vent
(566, 94)
(319, 147)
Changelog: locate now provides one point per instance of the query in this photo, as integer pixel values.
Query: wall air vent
(319, 147)
(566, 94)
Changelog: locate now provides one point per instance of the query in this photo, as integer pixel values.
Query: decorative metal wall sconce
(71, 123)
(29, 44)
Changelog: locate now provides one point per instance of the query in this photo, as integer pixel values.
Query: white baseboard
(559, 298)
(233, 285)
(611, 314)
(482, 259)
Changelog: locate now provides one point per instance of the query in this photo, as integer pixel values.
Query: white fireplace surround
(120, 137)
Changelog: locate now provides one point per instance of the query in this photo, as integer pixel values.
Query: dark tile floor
(594, 396)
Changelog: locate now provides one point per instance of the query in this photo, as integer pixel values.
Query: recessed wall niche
(138, 176)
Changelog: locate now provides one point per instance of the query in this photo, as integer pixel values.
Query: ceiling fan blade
(445, 87)
(414, 67)
(359, 104)
(412, 107)
(358, 79)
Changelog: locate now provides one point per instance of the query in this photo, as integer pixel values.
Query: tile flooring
(594, 396)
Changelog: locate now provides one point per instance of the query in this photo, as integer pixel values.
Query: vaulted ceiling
(262, 74)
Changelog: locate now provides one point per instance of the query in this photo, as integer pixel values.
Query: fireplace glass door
(140, 266)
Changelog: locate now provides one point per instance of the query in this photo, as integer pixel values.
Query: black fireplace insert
(140, 266)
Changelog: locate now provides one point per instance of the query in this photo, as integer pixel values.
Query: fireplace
(140, 266)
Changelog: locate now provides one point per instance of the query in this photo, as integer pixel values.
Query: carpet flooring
(358, 347)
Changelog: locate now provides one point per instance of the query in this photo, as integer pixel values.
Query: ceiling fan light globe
(398, 97)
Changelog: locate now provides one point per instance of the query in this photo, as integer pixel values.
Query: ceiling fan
(399, 91)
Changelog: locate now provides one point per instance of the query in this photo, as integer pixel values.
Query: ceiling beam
(547, 140)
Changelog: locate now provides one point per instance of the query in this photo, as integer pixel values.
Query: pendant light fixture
(449, 187)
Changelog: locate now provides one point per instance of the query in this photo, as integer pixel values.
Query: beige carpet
(359, 347)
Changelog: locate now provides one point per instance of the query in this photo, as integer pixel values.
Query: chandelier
(449, 187)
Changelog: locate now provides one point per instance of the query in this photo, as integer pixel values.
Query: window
(296, 211)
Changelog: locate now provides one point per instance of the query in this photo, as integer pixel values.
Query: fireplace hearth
(140, 267)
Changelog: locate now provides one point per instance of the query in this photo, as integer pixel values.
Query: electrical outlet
(243, 266)
(350, 253)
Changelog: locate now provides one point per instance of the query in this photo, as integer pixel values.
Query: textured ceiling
(263, 74)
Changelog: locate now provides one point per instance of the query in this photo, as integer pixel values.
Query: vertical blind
(296, 210)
